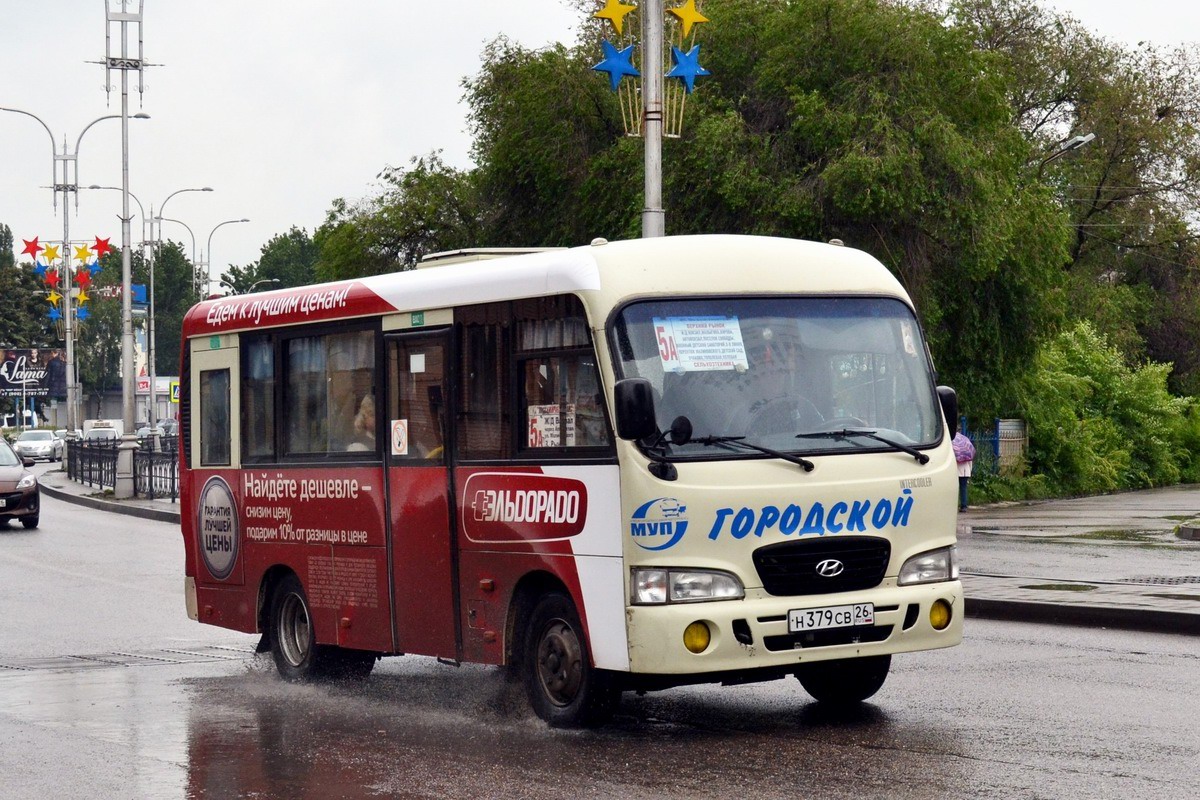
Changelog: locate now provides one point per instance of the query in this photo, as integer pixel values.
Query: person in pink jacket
(964, 454)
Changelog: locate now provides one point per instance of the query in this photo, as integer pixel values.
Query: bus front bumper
(752, 634)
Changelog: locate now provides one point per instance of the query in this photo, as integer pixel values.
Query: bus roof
(603, 273)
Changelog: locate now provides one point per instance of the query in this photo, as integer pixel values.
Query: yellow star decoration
(82, 297)
(614, 11)
(688, 16)
(53, 298)
(83, 253)
(50, 253)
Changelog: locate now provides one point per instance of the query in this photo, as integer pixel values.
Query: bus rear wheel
(564, 688)
(294, 647)
(845, 681)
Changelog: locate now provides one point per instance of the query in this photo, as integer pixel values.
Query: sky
(282, 106)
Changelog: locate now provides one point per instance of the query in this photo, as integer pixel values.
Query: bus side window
(258, 398)
(215, 445)
(562, 402)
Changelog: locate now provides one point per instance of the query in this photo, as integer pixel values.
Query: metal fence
(155, 473)
(1000, 447)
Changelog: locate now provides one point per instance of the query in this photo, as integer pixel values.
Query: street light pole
(208, 264)
(653, 215)
(68, 184)
(124, 486)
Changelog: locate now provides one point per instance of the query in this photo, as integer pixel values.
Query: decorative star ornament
(32, 248)
(40, 269)
(82, 313)
(687, 67)
(53, 297)
(101, 247)
(83, 253)
(83, 278)
(55, 314)
(688, 16)
(93, 268)
(82, 297)
(614, 11)
(50, 253)
(617, 63)
(52, 279)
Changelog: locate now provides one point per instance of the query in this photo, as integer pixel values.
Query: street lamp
(69, 183)
(1074, 143)
(208, 264)
(253, 286)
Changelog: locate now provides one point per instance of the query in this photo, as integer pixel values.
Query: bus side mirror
(634, 405)
(949, 400)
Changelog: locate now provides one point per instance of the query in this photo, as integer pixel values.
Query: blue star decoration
(617, 63)
(687, 67)
(82, 313)
(55, 314)
(40, 269)
(94, 267)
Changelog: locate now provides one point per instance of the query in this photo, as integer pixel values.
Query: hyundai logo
(830, 568)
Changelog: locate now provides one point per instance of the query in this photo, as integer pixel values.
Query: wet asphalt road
(108, 690)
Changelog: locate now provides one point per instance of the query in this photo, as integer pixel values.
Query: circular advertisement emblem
(218, 528)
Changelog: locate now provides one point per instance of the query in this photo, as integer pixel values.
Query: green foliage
(287, 260)
(1098, 425)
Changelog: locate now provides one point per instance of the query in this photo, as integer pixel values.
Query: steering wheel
(784, 415)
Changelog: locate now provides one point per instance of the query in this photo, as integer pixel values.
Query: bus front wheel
(564, 688)
(844, 681)
(294, 647)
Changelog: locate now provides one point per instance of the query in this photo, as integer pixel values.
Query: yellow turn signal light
(697, 637)
(940, 615)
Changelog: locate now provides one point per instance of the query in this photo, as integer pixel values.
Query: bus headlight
(931, 567)
(658, 586)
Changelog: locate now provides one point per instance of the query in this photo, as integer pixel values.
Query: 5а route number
(811, 619)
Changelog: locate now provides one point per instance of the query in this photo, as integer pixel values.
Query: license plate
(812, 619)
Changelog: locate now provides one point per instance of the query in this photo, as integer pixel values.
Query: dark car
(20, 497)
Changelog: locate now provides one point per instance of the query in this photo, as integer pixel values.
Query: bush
(1096, 425)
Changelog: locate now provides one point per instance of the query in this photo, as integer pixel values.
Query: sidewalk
(1112, 561)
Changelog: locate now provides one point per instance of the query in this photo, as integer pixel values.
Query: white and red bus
(632, 465)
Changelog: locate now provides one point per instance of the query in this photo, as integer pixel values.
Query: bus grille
(791, 568)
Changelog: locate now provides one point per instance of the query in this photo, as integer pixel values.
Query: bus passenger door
(424, 558)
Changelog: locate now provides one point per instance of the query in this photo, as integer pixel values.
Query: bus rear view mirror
(949, 400)
(634, 406)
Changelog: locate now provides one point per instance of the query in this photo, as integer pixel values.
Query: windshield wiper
(846, 433)
(739, 441)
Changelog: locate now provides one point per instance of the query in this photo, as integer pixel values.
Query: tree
(175, 281)
(1130, 194)
(289, 259)
(98, 338)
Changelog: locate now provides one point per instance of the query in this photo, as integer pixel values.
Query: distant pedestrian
(964, 454)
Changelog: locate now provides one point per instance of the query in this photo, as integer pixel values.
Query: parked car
(61, 433)
(39, 444)
(146, 432)
(20, 497)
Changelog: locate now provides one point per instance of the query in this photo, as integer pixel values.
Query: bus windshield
(795, 374)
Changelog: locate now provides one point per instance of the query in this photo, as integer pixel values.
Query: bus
(625, 466)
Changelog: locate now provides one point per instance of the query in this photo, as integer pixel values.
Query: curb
(1123, 617)
(159, 515)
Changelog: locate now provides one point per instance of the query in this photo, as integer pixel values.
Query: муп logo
(830, 568)
(658, 524)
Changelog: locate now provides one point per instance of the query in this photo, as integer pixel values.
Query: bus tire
(845, 681)
(564, 688)
(294, 646)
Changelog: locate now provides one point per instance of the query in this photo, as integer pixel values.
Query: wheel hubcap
(295, 631)
(560, 663)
